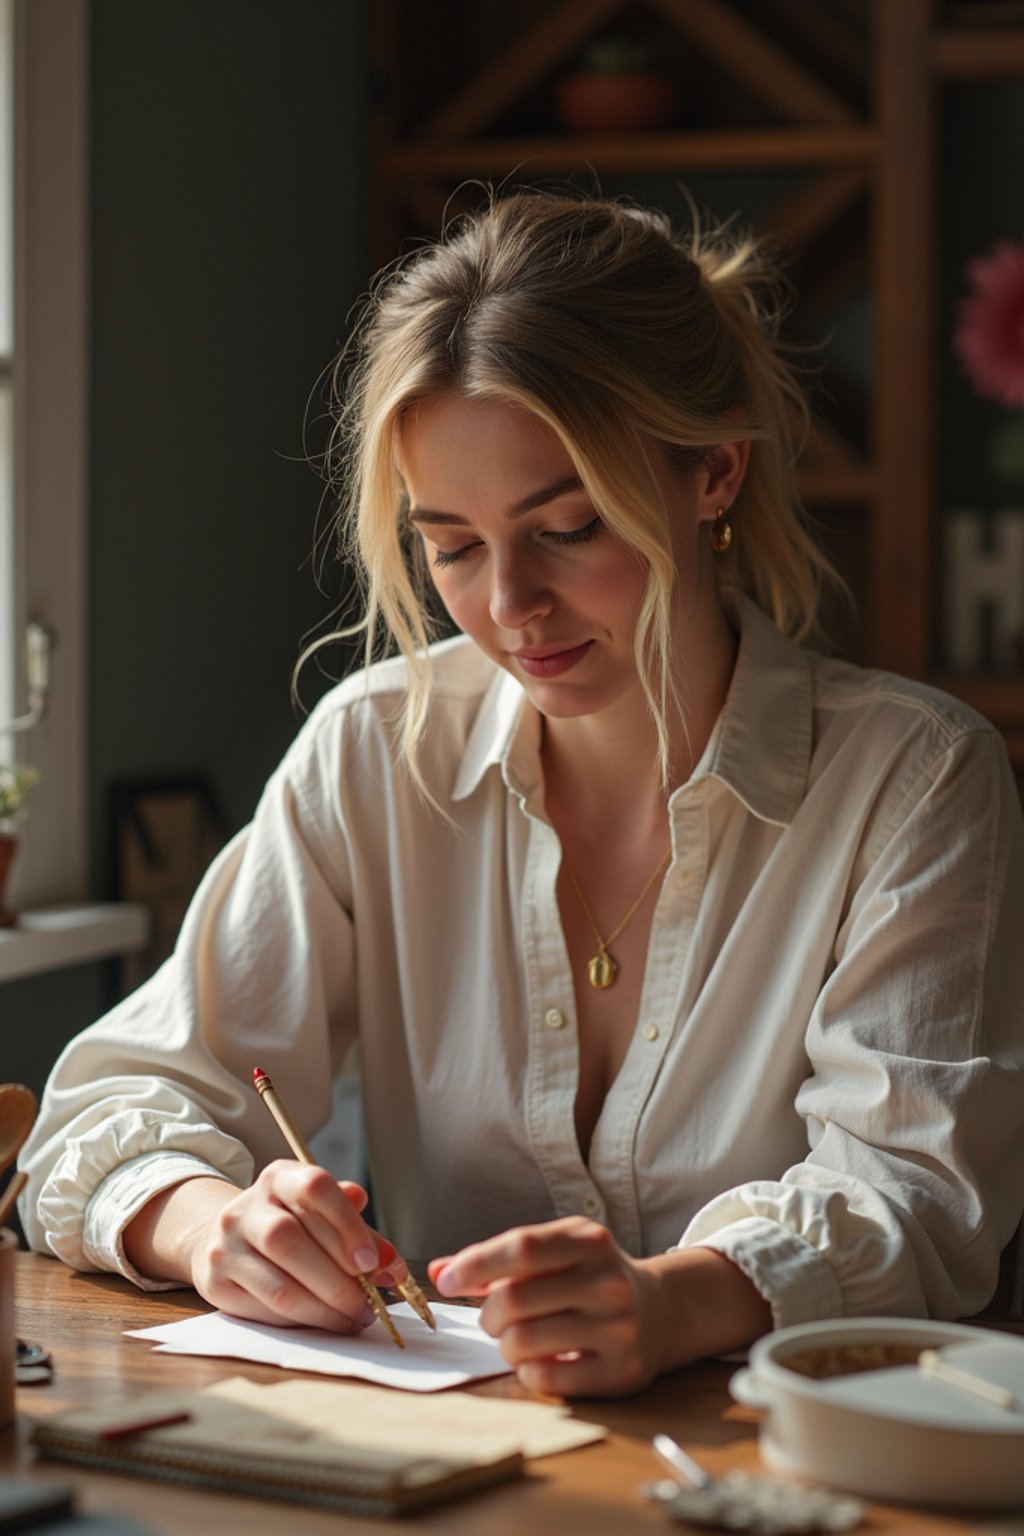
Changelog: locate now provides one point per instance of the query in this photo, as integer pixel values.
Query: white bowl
(892, 1433)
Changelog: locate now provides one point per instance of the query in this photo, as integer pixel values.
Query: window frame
(7, 696)
(50, 436)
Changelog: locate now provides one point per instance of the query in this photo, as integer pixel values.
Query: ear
(719, 482)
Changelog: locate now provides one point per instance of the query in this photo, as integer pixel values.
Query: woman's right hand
(286, 1250)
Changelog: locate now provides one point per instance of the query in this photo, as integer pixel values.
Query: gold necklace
(602, 968)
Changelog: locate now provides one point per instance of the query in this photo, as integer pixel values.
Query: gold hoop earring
(720, 531)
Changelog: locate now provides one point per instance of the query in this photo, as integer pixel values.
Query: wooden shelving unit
(840, 145)
(842, 104)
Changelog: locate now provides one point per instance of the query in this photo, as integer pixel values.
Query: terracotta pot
(615, 103)
(8, 848)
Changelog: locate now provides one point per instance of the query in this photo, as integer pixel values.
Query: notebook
(361, 1449)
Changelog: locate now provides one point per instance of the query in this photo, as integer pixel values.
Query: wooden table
(589, 1492)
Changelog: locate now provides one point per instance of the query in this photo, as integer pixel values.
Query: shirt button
(650, 1031)
(682, 878)
(554, 1018)
(591, 1205)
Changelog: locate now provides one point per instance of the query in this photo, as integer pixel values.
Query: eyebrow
(517, 509)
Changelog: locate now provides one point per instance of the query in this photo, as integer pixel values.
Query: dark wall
(228, 203)
(227, 246)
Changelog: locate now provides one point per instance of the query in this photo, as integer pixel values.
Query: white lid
(906, 1393)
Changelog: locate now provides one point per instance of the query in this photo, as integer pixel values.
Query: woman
(684, 962)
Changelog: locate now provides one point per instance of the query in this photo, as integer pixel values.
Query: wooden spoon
(17, 1115)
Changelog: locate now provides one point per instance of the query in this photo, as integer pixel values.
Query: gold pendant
(602, 970)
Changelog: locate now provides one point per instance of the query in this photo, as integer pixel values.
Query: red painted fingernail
(448, 1281)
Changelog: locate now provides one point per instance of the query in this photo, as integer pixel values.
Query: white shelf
(51, 937)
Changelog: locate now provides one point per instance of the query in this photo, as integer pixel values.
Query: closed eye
(576, 535)
(564, 536)
(444, 557)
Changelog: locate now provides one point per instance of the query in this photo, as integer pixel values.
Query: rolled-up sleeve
(913, 1104)
(160, 1090)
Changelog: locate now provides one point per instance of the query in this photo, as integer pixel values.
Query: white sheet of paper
(458, 1352)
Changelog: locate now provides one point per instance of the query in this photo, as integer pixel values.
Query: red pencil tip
(257, 1072)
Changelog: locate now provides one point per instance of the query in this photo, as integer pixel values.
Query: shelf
(976, 54)
(1000, 699)
(839, 144)
(52, 937)
(978, 13)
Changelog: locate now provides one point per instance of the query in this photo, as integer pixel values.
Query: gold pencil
(410, 1292)
(292, 1135)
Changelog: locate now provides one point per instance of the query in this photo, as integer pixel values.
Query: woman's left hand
(574, 1314)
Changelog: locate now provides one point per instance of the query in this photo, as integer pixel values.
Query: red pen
(140, 1426)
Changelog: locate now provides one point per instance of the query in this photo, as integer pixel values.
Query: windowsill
(52, 937)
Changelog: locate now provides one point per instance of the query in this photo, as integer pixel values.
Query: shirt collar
(760, 746)
(505, 734)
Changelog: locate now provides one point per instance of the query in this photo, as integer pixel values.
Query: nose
(519, 592)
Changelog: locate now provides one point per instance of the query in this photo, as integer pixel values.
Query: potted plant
(614, 88)
(16, 779)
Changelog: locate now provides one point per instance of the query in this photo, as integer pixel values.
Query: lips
(544, 662)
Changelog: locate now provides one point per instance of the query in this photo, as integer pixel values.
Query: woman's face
(519, 556)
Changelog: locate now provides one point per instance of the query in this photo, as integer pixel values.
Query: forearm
(160, 1240)
(703, 1304)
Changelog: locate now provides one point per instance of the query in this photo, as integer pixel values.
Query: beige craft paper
(373, 1417)
(334, 1424)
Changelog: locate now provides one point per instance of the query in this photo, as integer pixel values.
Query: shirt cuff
(791, 1274)
(121, 1196)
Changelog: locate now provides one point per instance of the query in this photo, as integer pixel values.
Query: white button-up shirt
(826, 1079)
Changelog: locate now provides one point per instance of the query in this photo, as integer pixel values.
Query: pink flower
(990, 335)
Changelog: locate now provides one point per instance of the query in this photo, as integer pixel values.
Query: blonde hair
(617, 333)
